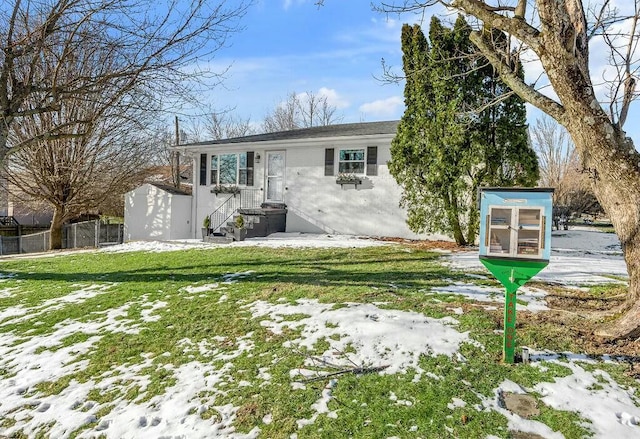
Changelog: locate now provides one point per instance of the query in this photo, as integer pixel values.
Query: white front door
(275, 176)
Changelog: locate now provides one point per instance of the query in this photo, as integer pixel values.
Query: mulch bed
(428, 245)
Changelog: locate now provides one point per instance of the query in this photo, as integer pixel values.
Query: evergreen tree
(445, 148)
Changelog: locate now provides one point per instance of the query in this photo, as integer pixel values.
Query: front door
(275, 176)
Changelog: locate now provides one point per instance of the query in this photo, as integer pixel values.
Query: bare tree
(283, 117)
(558, 35)
(315, 110)
(560, 168)
(154, 46)
(224, 125)
(555, 150)
(303, 110)
(90, 147)
(77, 174)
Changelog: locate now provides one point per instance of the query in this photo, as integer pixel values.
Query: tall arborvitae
(446, 146)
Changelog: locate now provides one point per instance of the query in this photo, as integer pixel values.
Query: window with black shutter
(250, 160)
(372, 160)
(328, 161)
(203, 169)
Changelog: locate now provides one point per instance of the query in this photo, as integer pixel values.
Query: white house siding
(316, 201)
(153, 213)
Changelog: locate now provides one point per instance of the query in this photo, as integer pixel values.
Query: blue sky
(335, 50)
(294, 46)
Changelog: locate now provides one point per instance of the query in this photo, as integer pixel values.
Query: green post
(512, 274)
(509, 349)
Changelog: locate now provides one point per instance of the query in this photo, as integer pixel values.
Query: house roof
(342, 130)
(171, 189)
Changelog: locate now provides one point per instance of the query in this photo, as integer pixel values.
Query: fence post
(75, 235)
(96, 230)
(1, 246)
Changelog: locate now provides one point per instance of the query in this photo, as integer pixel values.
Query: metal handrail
(246, 199)
(250, 198)
(222, 214)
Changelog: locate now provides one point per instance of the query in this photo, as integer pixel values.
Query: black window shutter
(372, 160)
(250, 155)
(203, 169)
(328, 161)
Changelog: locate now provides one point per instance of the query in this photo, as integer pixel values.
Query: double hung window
(232, 169)
(358, 161)
(351, 161)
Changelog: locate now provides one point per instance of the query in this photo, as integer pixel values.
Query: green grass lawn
(221, 341)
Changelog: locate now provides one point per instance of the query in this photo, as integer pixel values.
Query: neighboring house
(163, 175)
(331, 179)
(30, 214)
(157, 211)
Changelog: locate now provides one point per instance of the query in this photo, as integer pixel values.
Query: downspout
(194, 195)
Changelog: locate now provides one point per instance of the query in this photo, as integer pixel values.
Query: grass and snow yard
(292, 337)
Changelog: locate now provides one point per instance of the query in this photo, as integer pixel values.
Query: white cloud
(333, 98)
(383, 107)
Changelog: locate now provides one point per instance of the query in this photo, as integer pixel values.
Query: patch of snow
(195, 289)
(231, 278)
(516, 422)
(566, 270)
(380, 337)
(455, 403)
(147, 313)
(8, 292)
(533, 297)
(79, 296)
(275, 240)
(611, 408)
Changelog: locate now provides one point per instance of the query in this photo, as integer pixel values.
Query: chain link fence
(85, 234)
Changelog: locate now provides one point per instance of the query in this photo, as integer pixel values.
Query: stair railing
(221, 215)
(247, 198)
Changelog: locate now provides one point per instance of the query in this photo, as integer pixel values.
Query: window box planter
(219, 189)
(343, 179)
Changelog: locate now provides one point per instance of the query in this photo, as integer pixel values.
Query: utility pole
(176, 158)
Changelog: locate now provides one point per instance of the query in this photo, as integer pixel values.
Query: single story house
(329, 179)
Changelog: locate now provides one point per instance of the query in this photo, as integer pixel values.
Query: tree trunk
(4, 185)
(607, 155)
(57, 223)
(453, 213)
(612, 163)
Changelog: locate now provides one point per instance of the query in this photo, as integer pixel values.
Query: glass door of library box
(515, 232)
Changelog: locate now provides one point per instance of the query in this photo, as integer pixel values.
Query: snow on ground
(27, 361)
(612, 409)
(275, 240)
(392, 338)
(533, 297)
